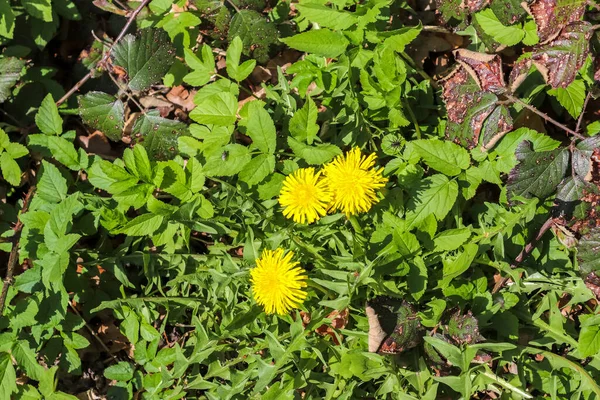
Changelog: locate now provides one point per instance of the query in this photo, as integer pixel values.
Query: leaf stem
(14, 252)
(580, 119)
(544, 116)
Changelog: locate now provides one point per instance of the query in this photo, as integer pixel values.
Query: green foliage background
(153, 242)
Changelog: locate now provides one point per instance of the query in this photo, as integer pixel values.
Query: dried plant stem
(525, 252)
(580, 119)
(91, 331)
(544, 116)
(14, 252)
(107, 54)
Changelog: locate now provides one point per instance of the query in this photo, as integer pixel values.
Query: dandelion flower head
(277, 282)
(304, 196)
(353, 182)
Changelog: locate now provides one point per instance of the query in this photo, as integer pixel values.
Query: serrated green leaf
(314, 155)
(538, 173)
(60, 148)
(26, 359)
(203, 67)
(401, 38)
(47, 117)
(327, 17)
(7, 19)
(303, 124)
(52, 186)
(10, 169)
(571, 97)
(507, 35)
(146, 57)
(435, 194)
(234, 53)
(230, 161)
(443, 156)
(103, 112)
(122, 371)
(217, 109)
(260, 127)
(589, 337)
(258, 169)
(158, 135)
(143, 225)
(110, 177)
(258, 34)
(451, 239)
(8, 378)
(322, 42)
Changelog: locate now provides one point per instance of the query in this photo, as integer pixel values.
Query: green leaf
(232, 159)
(52, 186)
(406, 243)
(258, 169)
(138, 163)
(60, 148)
(110, 177)
(103, 112)
(398, 41)
(234, 69)
(158, 135)
(10, 169)
(10, 70)
(8, 378)
(451, 239)
(122, 371)
(303, 124)
(315, 155)
(443, 156)
(143, 225)
(26, 359)
(260, 127)
(326, 16)
(258, 34)
(455, 267)
(538, 173)
(47, 117)
(589, 337)
(41, 9)
(531, 38)
(146, 57)
(435, 194)
(322, 42)
(571, 97)
(7, 19)
(507, 35)
(203, 66)
(217, 109)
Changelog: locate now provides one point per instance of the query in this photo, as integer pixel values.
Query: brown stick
(580, 119)
(525, 252)
(544, 116)
(14, 252)
(107, 54)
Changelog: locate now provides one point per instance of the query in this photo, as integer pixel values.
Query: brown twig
(580, 119)
(544, 116)
(14, 252)
(525, 252)
(107, 54)
(102, 344)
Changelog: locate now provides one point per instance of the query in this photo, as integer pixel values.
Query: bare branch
(107, 54)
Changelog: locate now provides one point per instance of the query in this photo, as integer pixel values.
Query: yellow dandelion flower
(304, 196)
(277, 282)
(353, 181)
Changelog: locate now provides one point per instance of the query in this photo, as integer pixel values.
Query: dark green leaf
(158, 135)
(538, 173)
(146, 57)
(103, 112)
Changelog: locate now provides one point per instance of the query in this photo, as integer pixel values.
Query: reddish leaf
(560, 60)
(551, 16)
(475, 5)
(486, 69)
(339, 319)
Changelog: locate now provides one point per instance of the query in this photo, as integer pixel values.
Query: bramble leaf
(10, 72)
(158, 135)
(103, 112)
(322, 42)
(538, 173)
(146, 57)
